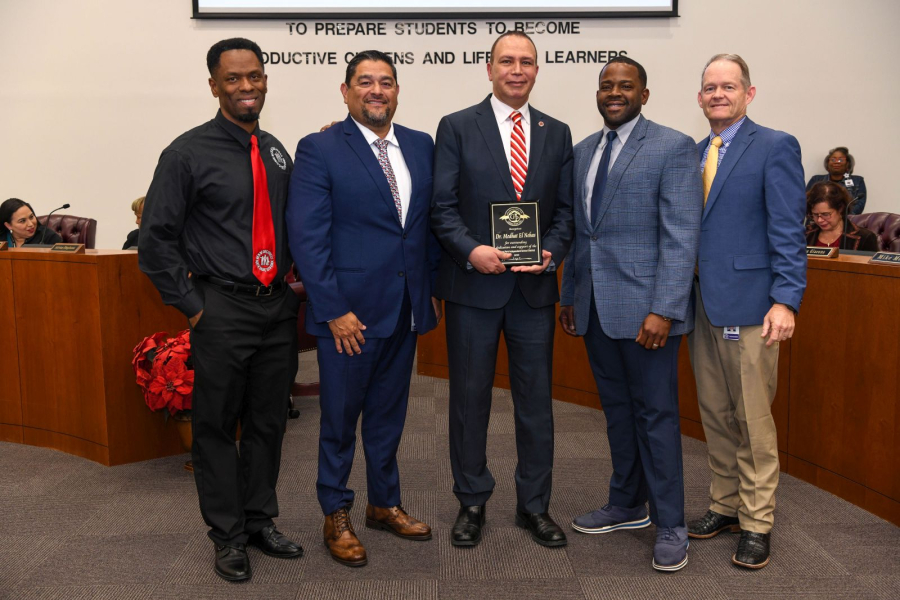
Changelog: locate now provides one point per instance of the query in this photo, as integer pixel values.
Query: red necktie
(518, 156)
(263, 229)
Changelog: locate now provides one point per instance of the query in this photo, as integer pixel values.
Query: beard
(376, 120)
(249, 117)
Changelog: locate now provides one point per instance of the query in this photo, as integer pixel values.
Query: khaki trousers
(736, 383)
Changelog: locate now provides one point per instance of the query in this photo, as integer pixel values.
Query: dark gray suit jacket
(471, 173)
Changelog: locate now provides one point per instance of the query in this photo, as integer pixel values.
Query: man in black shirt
(213, 242)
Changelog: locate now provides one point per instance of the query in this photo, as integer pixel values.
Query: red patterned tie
(263, 229)
(518, 155)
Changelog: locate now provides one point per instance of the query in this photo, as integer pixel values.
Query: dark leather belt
(245, 288)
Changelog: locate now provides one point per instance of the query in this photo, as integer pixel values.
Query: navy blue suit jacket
(345, 234)
(752, 243)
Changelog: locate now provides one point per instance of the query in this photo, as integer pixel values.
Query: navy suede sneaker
(670, 551)
(611, 518)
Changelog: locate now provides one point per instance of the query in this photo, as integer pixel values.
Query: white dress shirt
(624, 130)
(502, 112)
(401, 171)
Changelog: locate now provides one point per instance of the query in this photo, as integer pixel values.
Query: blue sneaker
(610, 518)
(670, 551)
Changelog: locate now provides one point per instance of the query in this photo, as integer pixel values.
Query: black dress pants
(473, 338)
(245, 358)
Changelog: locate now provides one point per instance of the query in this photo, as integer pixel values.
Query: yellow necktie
(712, 164)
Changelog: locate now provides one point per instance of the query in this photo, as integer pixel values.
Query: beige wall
(95, 89)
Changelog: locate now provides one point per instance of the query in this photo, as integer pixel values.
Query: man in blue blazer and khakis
(626, 289)
(751, 278)
(358, 226)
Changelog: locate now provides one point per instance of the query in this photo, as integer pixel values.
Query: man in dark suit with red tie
(213, 242)
(501, 150)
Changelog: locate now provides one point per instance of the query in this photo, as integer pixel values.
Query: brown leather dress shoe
(396, 521)
(341, 540)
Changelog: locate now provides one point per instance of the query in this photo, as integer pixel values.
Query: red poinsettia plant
(165, 371)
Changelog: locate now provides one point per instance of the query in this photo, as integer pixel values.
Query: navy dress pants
(639, 392)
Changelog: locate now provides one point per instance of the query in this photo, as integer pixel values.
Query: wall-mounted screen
(430, 9)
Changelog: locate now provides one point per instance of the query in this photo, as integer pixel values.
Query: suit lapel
(366, 155)
(487, 123)
(741, 141)
(582, 165)
(538, 137)
(634, 143)
(412, 161)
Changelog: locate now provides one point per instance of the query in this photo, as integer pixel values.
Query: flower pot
(183, 424)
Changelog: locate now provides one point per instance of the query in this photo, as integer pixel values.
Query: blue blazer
(639, 256)
(345, 234)
(752, 243)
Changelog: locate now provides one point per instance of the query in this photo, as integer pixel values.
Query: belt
(245, 288)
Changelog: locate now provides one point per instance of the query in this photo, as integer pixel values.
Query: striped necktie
(518, 155)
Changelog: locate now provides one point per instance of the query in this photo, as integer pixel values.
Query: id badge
(732, 333)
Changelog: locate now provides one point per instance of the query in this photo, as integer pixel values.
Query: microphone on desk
(47, 226)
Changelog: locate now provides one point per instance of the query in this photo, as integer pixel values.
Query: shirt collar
(729, 133)
(371, 136)
(622, 131)
(503, 111)
(236, 131)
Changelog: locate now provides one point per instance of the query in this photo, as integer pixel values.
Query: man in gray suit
(626, 289)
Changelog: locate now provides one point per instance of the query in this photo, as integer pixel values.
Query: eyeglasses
(837, 159)
(824, 215)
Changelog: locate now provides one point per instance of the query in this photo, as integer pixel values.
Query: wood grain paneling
(844, 406)
(77, 319)
(10, 394)
(58, 326)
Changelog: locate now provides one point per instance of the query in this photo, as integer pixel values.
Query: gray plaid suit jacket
(639, 256)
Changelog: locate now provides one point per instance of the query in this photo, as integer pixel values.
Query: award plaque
(516, 228)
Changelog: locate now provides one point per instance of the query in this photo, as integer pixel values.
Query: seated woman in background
(22, 227)
(138, 207)
(826, 205)
(839, 164)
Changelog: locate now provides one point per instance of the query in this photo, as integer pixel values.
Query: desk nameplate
(821, 252)
(886, 258)
(3, 246)
(68, 248)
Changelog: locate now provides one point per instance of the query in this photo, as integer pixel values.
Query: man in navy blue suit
(626, 289)
(751, 279)
(358, 227)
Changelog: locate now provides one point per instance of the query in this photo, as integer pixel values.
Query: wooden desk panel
(10, 402)
(59, 346)
(845, 415)
(77, 319)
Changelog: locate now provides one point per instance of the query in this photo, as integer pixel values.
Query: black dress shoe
(272, 542)
(752, 551)
(232, 562)
(543, 529)
(712, 524)
(467, 529)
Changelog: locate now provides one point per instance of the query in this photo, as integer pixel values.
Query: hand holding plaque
(516, 229)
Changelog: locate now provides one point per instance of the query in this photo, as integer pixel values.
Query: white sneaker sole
(670, 568)
(640, 524)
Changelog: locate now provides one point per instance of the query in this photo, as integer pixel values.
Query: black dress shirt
(198, 215)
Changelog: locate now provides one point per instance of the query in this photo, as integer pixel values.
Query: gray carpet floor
(72, 529)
